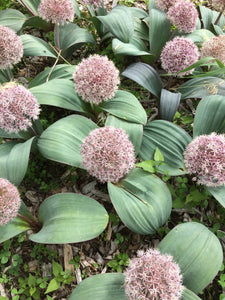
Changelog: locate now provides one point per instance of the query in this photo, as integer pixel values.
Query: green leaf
(135, 47)
(200, 36)
(119, 21)
(189, 295)
(147, 166)
(210, 116)
(197, 251)
(61, 141)
(108, 286)
(125, 106)
(31, 4)
(37, 22)
(56, 268)
(218, 193)
(52, 286)
(142, 201)
(4, 76)
(146, 76)
(209, 16)
(12, 18)
(14, 159)
(33, 46)
(24, 135)
(171, 140)
(70, 218)
(60, 93)
(169, 103)
(158, 155)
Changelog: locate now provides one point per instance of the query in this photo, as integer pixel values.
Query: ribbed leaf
(32, 5)
(108, 286)
(125, 106)
(209, 16)
(138, 12)
(135, 47)
(218, 193)
(37, 22)
(197, 251)
(169, 103)
(12, 18)
(61, 141)
(24, 135)
(189, 295)
(142, 201)
(210, 115)
(200, 36)
(146, 76)
(171, 141)
(70, 218)
(4, 76)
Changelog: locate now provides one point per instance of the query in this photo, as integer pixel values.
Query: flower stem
(56, 61)
(27, 7)
(218, 18)
(35, 224)
(9, 74)
(57, 36)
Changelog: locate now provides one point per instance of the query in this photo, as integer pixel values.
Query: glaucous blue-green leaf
(33, 46)
(138, 12)
(200, 36)
(189, 295)
(142, 201)
(4, 77)
(108, 286)
(60, 93)
(61, 141)
(24, 135)
(14, 159)
(210, 115)
(37, 22)
(125, 106)
(218, 193)
(135, 47)
(169, 103)
(197, 251)
(141, 30)
(12, 18)
(119, 21)
(70, 218)
(146, 76)
(134, 130)
(171, 140)
(209, 16)
(31, 5)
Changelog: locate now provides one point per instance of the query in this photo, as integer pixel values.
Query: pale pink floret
(96, 79)
(56, 11)
(165, 4)
(108, 154)
(11, 48)
(18, 107)
(95, 3)
(153, 276)
(179, 54)
(218, 4)
(9, 201)
(184, 16)
(214, 47)
(204, 158)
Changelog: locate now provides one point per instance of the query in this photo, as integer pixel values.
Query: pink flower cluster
(56, 11)
(152, 275)
(9, 201)
(164, 4)
(205, 159)
(214, 47)
(95, 3)
(17, 107)
(178, 54)
(218, 4)
(108, 154)
(11, 47)
(184, 16)
(96, 79)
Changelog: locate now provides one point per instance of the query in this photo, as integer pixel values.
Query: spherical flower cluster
(152, 275)
(108, 154)
(214, 47)
(218, 4)
(95, 3)
(17, 107)
(9, 201)
(165, 4)
(56, 11)
(96, 79)
(205, 159)
(178, 54)
(184, 16)
(11, 47)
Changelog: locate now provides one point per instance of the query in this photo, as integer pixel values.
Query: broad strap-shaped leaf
(171, 140)
(189, 295)
(14, 159)
(134, 130)
(141, 30)
(210, 115)
(209, 16)
(200, 36)
(32, 5)
(125, 106)
(169, 103)
(135, 47)
(146, 76)
(24, 135)
(60, 93)
(142, 201)
(12, 18)
(108, 286)
(138, 12)
(119, 21)
(33, 46)
(197, 251)
(37, 22)
(61, 141)
(4, 76)
(70, 218)
(218, 193)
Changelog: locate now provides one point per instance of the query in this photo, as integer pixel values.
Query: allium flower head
(204, 157)
(178, 54)
(218, 4)
(165, 4)
(11, 47)
(56, 11)
(108, 154)
(95, 3)
(9, 201)
(214, 47)
(153, 276)
(96, 79)
(184, 16)
(17, 107)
